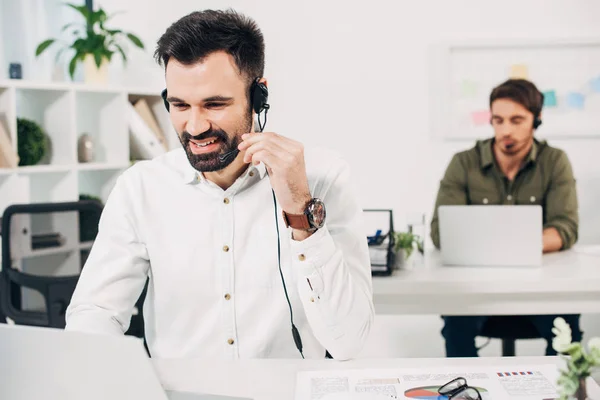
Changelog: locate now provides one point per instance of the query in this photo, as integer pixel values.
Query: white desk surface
(567, 282)
(276, 379)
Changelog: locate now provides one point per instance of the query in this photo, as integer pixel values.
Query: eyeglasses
(457, 389)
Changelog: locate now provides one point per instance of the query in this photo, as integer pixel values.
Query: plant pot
(91, 73)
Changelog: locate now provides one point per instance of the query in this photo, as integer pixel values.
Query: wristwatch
(312, 219)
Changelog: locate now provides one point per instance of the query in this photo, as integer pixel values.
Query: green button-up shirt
(546, 178)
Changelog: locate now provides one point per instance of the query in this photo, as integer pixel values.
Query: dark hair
(520, 91)
(195, 36)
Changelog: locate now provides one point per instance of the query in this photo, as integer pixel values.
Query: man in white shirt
(230, 272)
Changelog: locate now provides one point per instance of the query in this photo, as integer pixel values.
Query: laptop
(491, 235)
(46, 363)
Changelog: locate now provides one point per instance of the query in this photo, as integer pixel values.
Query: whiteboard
(567, 72)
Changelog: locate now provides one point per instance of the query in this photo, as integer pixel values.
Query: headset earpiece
(259, 96)
(163, 94)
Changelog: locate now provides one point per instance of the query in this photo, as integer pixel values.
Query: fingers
(281, 158)
(278, 154)
(285, 143)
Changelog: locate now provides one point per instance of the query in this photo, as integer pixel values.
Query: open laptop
(44, 363)
(491, 235)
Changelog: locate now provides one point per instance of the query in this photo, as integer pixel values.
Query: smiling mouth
(203, 144)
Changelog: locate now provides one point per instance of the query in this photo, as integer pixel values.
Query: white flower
(594, 344)
(562, 332)
(594, 347)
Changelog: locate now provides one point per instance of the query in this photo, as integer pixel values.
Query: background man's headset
(259, 95)
(537, 121)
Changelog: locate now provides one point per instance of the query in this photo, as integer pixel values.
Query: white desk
(276, 379)
(567, 282)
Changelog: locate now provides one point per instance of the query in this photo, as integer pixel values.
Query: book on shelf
(143, 109)
(8, 157)
(143, 142)
(47, 240)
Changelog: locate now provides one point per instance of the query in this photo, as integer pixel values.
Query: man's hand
(284, 160)
(552, 240)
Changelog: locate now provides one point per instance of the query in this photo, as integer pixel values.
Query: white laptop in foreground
(491, 235)
(52, 364)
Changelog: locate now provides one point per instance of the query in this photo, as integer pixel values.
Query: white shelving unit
(65, 111)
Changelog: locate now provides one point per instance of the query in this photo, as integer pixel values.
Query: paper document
(533, 382)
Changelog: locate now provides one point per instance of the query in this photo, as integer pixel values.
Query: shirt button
(230, 341)
(251, 173)
(227, 296)
(312, 299)
(485, 201)
(301, 257)
(226, 200)
(509, 197)
(532, 199)
(225, 248)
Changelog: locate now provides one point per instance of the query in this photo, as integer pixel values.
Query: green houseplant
(32, 142)
(407, 242)
(93, 43)
(579, 362)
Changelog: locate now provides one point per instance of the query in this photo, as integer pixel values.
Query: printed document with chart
(532, 382)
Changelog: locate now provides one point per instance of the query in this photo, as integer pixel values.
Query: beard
(224, 155)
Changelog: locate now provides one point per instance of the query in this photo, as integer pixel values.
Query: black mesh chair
(55, 290)
(509, 329)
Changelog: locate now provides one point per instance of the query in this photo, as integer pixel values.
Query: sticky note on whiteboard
(550, 98)
(519, 71)
(576, 100)
(480, 117)
(468, 88)
(595, 84)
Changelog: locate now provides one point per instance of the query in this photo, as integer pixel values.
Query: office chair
(56, 290)
(509, 329)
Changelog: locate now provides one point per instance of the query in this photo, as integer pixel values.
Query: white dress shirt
(211, 255)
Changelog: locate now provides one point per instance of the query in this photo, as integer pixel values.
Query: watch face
(316, 213)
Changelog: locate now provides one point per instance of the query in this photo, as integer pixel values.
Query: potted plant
(404, 245)
(579, 362)
(32, 142)
(93, 43)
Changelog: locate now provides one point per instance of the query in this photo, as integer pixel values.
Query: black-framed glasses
(457, 389)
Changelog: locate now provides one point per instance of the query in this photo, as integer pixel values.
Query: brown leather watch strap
(296, 221)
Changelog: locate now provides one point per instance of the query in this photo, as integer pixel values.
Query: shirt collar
(487, 152)
(191, 175)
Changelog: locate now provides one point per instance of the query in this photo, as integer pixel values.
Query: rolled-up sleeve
(333, 271)
(562, 208)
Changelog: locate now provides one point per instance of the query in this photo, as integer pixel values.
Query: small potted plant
(94, 44)
(404, 245)
(33, 143)
(579, 362)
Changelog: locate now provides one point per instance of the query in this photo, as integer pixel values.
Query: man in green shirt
(512, 168)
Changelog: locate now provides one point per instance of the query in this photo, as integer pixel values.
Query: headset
(537, 121)
(259, 96)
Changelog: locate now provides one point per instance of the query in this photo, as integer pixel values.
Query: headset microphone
(233, 153)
